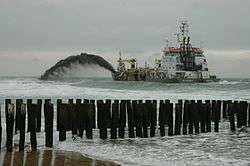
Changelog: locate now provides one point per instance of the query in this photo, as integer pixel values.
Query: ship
(183, 63)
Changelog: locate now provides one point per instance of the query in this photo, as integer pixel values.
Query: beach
(49, 157)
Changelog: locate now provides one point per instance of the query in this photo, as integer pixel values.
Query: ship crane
(131, 61)
(121, 63)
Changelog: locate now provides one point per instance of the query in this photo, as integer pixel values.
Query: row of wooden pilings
(136, 118)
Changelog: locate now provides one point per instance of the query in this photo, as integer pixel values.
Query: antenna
(120, 54)
(167, 43)
(184, 28)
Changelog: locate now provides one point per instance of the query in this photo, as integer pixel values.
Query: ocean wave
(225, 82)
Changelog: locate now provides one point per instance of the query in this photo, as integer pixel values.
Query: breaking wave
(225, 82)
(73, 62)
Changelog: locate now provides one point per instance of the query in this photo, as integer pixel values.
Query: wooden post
(208, 116)
(82, 118)
(224, 109)
(178, 118)
(77, 119)
(85, 101)
(49, 117)
(244, 113)
(196, 115)
(146, 109)
(108, 112)
(63, 119)
(131, 132)
(70, 112)
(33, 111)
(153, 118)
(94, 113)
(89, 124)
(237, 111)
(70, 115)
(185, 117)
(231, 107)
(102, 111)
(213, 109)
(75, 123)
(170, 119)
(1, 129)
(202, 111)
(21, 125)
(39, 115)
(114, 119)
(191, 117)
(58, 106)
(241, 116)
(219, 104)
(149, 107)
(162, 118)
(248, 114)
(138, 118)
(122, 118)
(29, 102)
(7, 102)
(18, 109)
(217, 116)
(9, 125)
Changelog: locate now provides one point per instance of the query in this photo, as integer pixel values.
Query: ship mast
(185, 47)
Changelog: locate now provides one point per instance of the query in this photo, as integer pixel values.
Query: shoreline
(49, 157)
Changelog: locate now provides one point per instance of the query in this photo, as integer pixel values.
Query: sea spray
(62, 67)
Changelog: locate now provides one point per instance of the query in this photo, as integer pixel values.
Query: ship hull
(164, 80)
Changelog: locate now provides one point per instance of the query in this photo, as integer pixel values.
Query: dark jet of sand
(83, 59)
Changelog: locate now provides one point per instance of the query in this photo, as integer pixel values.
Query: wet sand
(49, 158)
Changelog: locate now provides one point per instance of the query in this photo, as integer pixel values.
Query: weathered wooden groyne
(118, 118)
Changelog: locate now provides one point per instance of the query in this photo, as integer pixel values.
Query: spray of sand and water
(71, 64)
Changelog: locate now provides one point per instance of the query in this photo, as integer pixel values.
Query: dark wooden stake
(202, 111)
(39, 115)
(114, 119)
(178, 118)
(122, 118)
(33, 111)
(138, 118)
(1, 129)
(131, 132)
(146, 109)
(191, 117)
(18, 110)
(9, 125)
(225, 109)
(102, 116)
(217, 116)
(89, 125)
(63, 120)
(162, 118)
(185, 117)
(76, 119)
(29, 102)
(153, 118)
(49, 117)
(58, 104)
(170, 119)
(248, 114)
(244, 113)
(231, 116)
(21, 125)
(208, 116)
(94, 113)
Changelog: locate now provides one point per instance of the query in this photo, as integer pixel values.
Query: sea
(223, 148)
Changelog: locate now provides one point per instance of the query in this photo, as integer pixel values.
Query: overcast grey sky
(34, 34)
